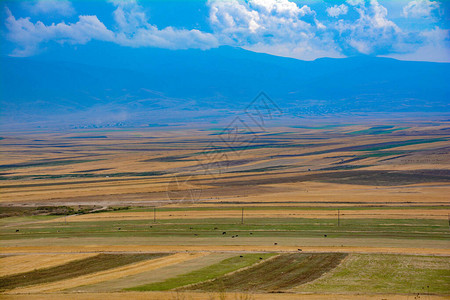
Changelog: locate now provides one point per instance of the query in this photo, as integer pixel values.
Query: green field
(280, 273)
(252, 227)
(378, 273)
(211, 272)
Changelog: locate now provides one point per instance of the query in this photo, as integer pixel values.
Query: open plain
(299, 212)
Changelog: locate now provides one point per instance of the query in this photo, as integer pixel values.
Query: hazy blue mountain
(104, 79)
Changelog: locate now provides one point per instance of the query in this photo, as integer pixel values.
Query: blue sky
(307, 30)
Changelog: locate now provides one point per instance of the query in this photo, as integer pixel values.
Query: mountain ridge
(73, 81)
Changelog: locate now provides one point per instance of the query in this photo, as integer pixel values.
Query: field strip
(23, 263)
(110, 274)
(438, 214)
(119, 249)
(150, 277)
(202, 296)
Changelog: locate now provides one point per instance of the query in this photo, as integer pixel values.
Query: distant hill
(102, 83)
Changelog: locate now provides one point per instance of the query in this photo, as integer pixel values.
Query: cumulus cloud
(420, 9)
(277, 27)
(133, 30)
(372, 31)
(58, 7)
(28, 36)
(337, 10)
(434, 46)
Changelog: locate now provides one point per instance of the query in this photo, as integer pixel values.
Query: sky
(416, 30)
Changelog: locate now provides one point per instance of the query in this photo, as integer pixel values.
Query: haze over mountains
(103, 84)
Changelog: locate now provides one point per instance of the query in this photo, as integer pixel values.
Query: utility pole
(242, 216)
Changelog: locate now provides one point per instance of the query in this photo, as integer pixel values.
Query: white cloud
(420, 8)
(58, 7)
(301, 50)
(28, 35)
(133, 31)
(372, 31)
(337, 10)
(434, 46)
(277, 27)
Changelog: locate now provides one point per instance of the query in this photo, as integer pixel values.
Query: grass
(379, 130)
(389, 145)
(10, 221)
(266, 169)
(280, 273)
(344, 167)
(73, 269)
(226, 266)
(46, 164)
(82, 175)
(330, 126)
(383, 273)
(214, 227)
(11, 211)
(266, 207)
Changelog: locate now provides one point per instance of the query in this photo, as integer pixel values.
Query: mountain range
(105, 84)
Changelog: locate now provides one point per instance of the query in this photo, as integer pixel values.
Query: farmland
(356, 211)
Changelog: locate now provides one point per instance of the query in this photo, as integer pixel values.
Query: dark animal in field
(325, 235)
(224, 232)
(275, 243)
(299, 249)
(17, 230)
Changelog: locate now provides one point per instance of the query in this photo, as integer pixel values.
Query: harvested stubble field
(307, 212)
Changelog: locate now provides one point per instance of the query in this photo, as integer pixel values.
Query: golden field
(211, 203)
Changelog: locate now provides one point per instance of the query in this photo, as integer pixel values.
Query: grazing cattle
(224, 232)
